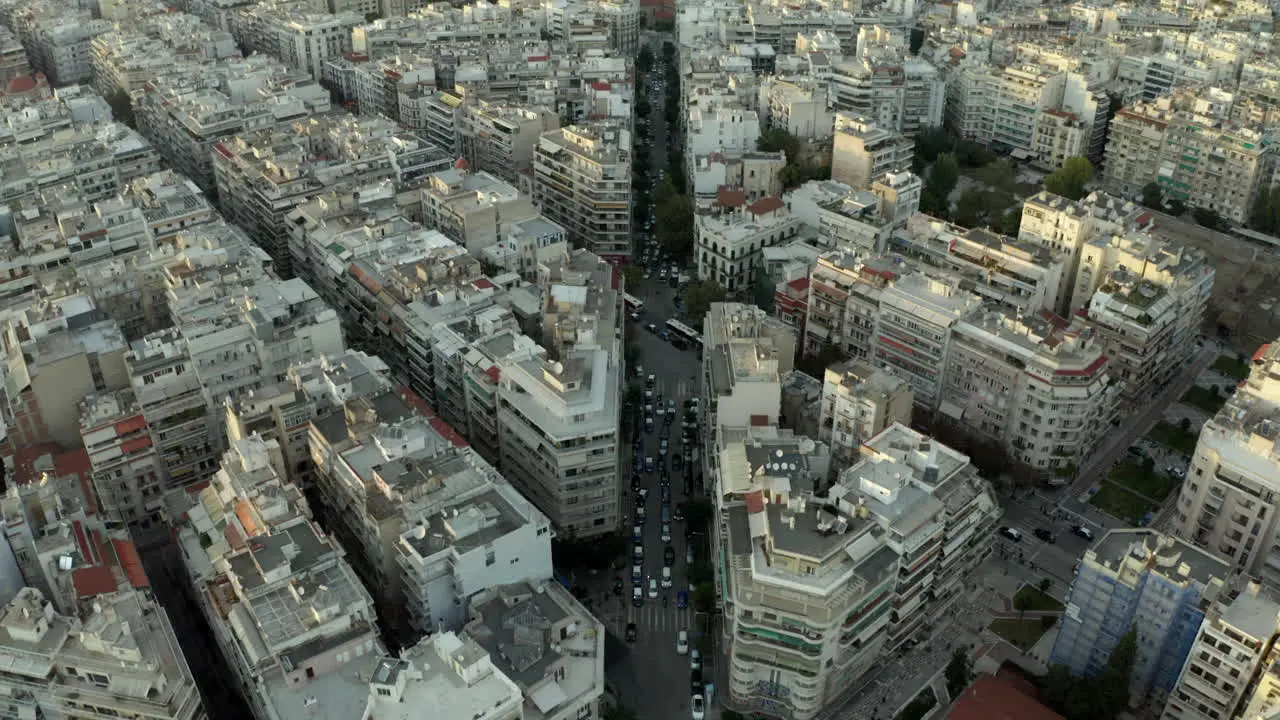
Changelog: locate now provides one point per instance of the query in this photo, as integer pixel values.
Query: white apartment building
(898, 93)
(745, 354)
(305, 41)
(471, 208)
(59, 42)
(816, 590)
(728, 245)
(526, 244)
(913, 331)
(858, 402)
(452, 675)
(718, 178)
(289, 615)
(1146, 298)
(117, 657)
(727, 127)
(98, 160)
(543, 620)
(1227, 504)
(1233, 648)
(864, 152)
(582, 181)
(1188, 145)
(500, 139)
(798, 108)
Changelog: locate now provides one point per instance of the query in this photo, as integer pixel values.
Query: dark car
(631, 632)
(1045, 535)
(676, 461)
(695, 682)
(1081, 531)
(635, 483)
(669, 556)
(1011, 533)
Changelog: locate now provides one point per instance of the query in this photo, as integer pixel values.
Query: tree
(1011, 222)
(1022, 602)
(1153, 196)
(764, 289)
(932, 204)
(943, 176)
(704, 597)
(777, 139)
(1045, 584)
(668, 51)
(1072, 180)
(1112, 686)
(698, 297)
(1206, 217)
(632, 275)
(642, 107)
(697, 512)
(975, 155)
(931, 143)
(958, 672)
(644, 61)
(122, 108)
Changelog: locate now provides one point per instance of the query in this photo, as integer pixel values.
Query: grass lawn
(1174, 437)
(1204, 399)
(1114, 499)
(1022, 633)
(1231, 367)
(920, 705)
(1039, 602)
(1156, 485)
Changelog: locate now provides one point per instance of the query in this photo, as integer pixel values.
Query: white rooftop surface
(338, 695)
(1255, 615)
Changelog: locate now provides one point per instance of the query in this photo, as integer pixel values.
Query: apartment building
(1020, 276)
(728, 246)
(558, 419)
(542, 619)
(58, 41)
(262, 176)
(745, 355)
(864, 152)
(500, 139)
(451, 674)
(117, 656)
(582, 181)
(798, 107)
(1189, 146)
(858, 402)
(289, 615)
(725, 180)
(13, 59)
(844, 302)
(471, 208)
(1226, 504)
(897, 92)
(127, 473)
(1233, 648)
(1144, 581)
(816, 590)
(525, 245)
(1146, 298)
(913, 331)
(58, 352)
(97, 160)
(1042, 114)
(1034, 384)
(1064, 226)
(860, 220)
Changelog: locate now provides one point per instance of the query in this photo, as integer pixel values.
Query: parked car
(653, 588)
(631, 632)
(669, 556)
(666, 577)
(637, 596)
(1012, 533)
(682, 642)
(1045, 535)
(698, 708)
(1081, 531)
(695, 659)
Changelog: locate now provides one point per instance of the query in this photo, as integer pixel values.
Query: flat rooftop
(1169, 554)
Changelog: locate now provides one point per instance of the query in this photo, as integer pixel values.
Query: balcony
(778, 640)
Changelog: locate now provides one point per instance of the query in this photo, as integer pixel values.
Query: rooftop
(1176, 559)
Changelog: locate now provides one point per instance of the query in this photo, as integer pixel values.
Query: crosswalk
(651, 618)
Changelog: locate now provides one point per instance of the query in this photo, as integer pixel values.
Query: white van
(682, 642)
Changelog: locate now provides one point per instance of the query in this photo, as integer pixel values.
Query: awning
(951, 410)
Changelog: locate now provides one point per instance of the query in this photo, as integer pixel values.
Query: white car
(666, 577)
(653, 588)
(682, 642)
(666, 532)
(699, 708)
(695, 659)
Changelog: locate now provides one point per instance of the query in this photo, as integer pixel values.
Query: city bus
(684, 332)
(634, 304)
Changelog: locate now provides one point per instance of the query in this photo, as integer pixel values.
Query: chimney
(1253, 588)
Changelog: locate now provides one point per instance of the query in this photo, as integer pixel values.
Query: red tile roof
(447, 432)
(483, 283)
(799, 284)
(494, 372)
(731, 198)
(415, 401)
(21, 84)
(131, 563)
(764, 206)
(90, 581)
(994, 698)
(755, 501)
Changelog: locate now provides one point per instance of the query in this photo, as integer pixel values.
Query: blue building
(1139, 579)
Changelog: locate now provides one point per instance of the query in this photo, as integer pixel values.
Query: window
(489, 557)
(385, 692)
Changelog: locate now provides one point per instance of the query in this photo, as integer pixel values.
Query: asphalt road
(1032, 559)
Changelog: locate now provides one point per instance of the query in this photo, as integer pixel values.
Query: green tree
(974, 155)
(764, 289)
(1112, 686)
(777, 139)
(1011, 222)
(932, 204)
(958, 672)
(644, 61)
(1176, 207)
(1022, 602)
(673, 216)
(1153, 196)
(1072, 181)
(704, 597)
(668, 51)
(1206, 217)
(122, 108)
(698, 298)
(931, 143)
(632, 275)
(642, 107)
(943, 176)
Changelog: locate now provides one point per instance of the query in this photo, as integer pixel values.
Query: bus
(684, 332)
(634, 304)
